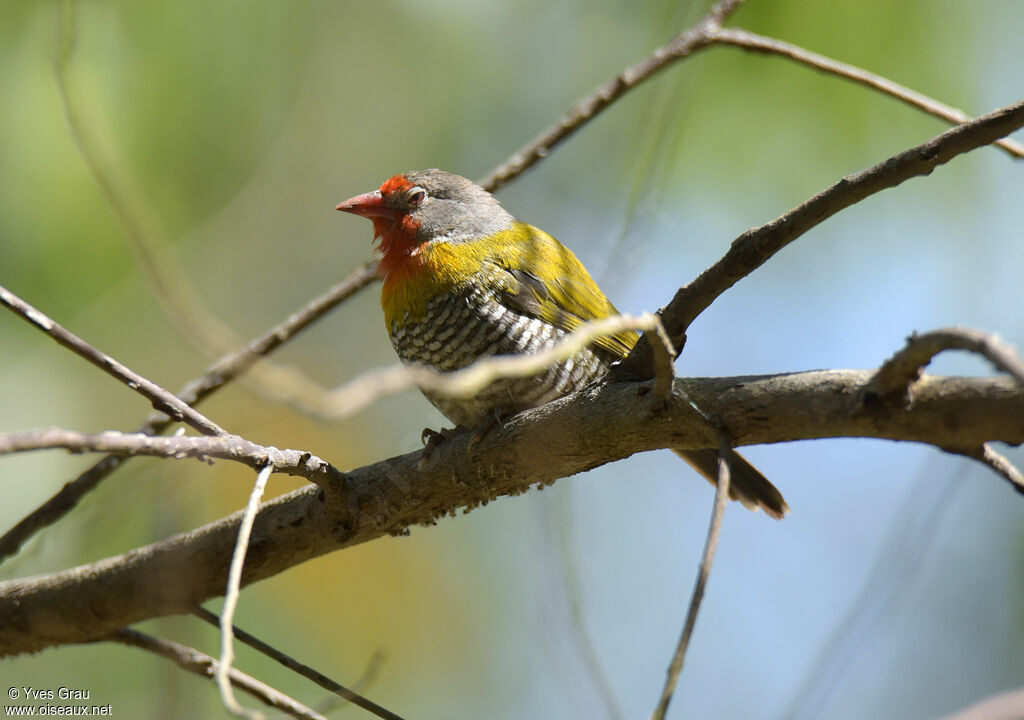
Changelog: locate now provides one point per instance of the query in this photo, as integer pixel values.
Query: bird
(463, 280)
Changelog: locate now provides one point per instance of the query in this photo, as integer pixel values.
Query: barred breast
(457, 329)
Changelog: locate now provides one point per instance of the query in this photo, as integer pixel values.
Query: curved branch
(754, 247)
(747, 40)
(587, 108)
(599, 425)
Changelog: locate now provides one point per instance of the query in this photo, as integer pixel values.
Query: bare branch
(664, 357)
(222, 372)
(759, 43)
(161, 399)
(754, 247)
(222, 672)
(721, 11)
(587, 108)
(203, 665)
(708, 557)
(372, 385)
(894, 383)
(600, 424)
(301, 668)
(226, 447)
(169, 284)
(898, 373)
(708, 32)
(987, 455)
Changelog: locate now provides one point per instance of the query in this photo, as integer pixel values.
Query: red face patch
(395, 184)
(398, 240)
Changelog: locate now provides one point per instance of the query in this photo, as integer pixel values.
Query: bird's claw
(431, 439)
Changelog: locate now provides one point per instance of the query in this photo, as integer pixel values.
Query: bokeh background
(231, 129)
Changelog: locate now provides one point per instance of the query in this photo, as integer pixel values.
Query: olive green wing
(539, 277)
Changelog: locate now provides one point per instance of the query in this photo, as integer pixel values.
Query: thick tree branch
(599, 425)
(753, 248)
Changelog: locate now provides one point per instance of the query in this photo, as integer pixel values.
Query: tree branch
(203, 665)
(586, 109)
(298, 667)
(161, 399)
(710, 544)
(898, 373)
(226, 447)
(1000, 464)
(222, 372)
(754, 247)
(747, 40)
(598, 425)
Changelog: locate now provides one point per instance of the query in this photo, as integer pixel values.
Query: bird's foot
(431, 440)
(493, 419)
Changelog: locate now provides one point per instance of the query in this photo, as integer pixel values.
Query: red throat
(399, 246)
(397, 232)
(398, 235)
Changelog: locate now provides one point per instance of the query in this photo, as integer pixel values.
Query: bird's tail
(746, 484)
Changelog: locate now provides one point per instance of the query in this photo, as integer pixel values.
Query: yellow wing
(541, 278)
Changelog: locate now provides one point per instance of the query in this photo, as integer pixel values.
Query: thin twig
(161, 399)
(227, 653)
(222, 372)
(710, 544)
(756, 246)
(352, 397)
(721, 11)
(987, 455)
(203, 665)
(664, 358)
(708, 32)
(225, 447)
(759, 43)
(586, 109)
(169, 283)
(372, 385)
(299, 667)
(900, 371)
(362, 683)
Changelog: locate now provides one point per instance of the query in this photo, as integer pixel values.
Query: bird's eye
(415, 196)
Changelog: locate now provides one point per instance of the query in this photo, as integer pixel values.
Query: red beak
(368, 205)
